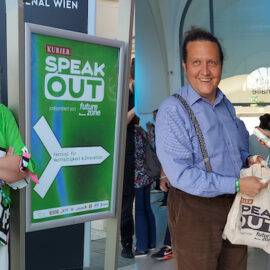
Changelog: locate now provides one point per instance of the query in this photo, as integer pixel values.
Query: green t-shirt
(9, 137)
(10, 134)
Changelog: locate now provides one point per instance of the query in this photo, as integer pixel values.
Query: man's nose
(205, 69)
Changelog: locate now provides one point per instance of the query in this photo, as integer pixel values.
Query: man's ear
(184, 66)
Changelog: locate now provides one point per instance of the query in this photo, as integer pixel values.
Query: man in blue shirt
(199, 200)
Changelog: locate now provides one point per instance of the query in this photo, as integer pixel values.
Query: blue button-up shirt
(178, 146)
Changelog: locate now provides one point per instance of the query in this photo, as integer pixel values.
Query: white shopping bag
(248, 222)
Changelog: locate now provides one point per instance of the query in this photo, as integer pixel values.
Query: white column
(125, 27)
(92, 17)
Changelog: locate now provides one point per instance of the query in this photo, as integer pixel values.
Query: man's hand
(164, 184)
(251, 185)
(130, 115)
(251, 160)
(266, 133)
(10, 151)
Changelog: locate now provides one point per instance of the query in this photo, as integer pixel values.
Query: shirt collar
(192, 96)
(219, 97)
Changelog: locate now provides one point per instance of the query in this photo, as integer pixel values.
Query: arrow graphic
(60, 157)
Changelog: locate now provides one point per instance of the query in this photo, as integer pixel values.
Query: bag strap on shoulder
(198, 132)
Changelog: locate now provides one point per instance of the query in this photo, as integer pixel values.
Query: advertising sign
(65, 14)
(74, 98)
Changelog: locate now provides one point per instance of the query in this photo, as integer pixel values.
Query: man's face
(203, 68)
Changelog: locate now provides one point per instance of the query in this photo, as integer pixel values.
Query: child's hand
(10, 168)
(10, 151)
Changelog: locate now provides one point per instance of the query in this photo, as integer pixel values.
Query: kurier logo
(246, 201)
(72, 79)
(52, 49)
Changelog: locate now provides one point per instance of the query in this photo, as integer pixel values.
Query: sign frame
(120, 123)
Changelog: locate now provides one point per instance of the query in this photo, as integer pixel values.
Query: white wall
(151, 83)
(157, 46)
(171, 15)
(107, 18)
(157, 51)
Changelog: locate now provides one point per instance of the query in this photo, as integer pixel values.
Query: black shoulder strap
(197, 130)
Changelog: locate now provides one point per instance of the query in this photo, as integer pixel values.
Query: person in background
(127, 221)
(244, 135)
(14, 172)
(154, 113)
(204, 173)
(145, 226)
(165, 252)
(255, 147)
(150, 127)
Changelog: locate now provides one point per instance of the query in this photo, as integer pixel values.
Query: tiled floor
(98, 242)
(145, 263)
(257, 260)
(97, 256)
(148, 263)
